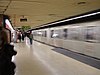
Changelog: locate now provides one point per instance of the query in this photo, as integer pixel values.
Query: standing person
(31, 37)
(6, 52)
(15, 36)
(19, 36)
(3, 41)
(23, 36)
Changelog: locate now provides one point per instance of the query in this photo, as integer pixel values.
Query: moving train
(83, 37)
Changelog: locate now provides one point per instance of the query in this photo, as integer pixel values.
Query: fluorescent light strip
(71, 19)
(74, 18)
(9, 24)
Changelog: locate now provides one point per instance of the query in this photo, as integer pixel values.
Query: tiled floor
(40, 59)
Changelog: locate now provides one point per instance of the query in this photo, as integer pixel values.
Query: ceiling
(39, 12)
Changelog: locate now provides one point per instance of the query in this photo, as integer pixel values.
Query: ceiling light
(51, 14)
(81, 3)
(38, 20)
(76, 18)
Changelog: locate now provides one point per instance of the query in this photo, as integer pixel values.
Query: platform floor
(40, 59)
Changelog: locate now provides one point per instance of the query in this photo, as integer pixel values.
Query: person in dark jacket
(6, 52)
(31, 37)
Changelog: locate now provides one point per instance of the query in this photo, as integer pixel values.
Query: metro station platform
(40, 59)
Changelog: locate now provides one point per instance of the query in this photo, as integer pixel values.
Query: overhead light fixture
(39, 20)
(87, 15)
(51, 14)
(8, 25)
(81, 3)
(23, 19)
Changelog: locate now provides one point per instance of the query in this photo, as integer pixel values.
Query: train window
(39, 33)
(44, 33)
(34, 33)
(97, 30)
(89, 34)
(56, 34)
(76, 33)
(73, 34)
(81, 33)
(92, 34)
(52, 32)
(65, 33)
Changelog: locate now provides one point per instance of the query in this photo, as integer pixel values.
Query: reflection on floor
(40, 59)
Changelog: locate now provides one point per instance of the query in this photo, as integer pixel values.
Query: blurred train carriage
(82, 37)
